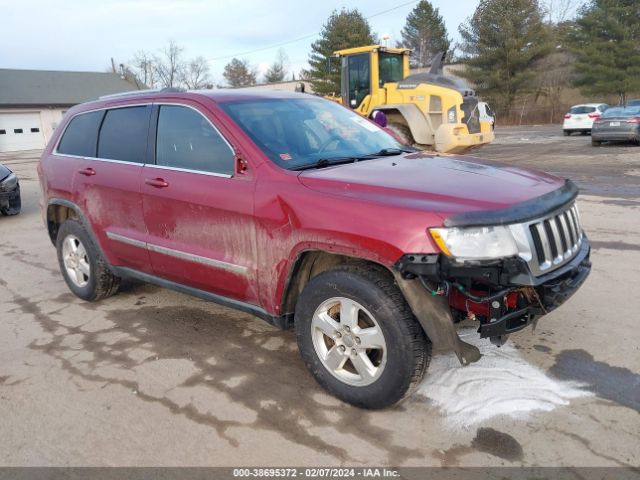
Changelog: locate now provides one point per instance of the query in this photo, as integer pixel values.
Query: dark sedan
(617, 124)
(9, 192)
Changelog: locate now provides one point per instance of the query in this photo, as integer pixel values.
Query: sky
(83, 35)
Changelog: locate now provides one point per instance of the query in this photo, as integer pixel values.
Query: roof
(218, 96)
(48, 87)
(588, 104)
(370, 48)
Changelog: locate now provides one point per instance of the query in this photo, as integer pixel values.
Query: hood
(437, 183)
(4, 172)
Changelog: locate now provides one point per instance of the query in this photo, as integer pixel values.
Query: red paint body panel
(263, 219)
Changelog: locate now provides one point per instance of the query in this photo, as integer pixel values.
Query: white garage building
(32, 102)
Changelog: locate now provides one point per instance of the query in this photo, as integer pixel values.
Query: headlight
(452, 115)
(9, 183)
(475, 243)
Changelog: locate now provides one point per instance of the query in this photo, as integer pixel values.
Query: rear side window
(186, 139)
(81, 136)
(123, 135)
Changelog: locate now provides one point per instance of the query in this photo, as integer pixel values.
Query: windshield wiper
(328, 162)
(388, 152)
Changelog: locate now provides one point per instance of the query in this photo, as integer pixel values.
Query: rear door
(198, 211)
(107, 184)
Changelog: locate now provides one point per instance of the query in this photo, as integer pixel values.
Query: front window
(298, 132)
(390, 67)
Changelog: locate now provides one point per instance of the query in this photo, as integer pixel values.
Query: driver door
(356, 79)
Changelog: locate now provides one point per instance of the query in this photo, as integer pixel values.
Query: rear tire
(403, 132)
(566, 133)
(595, 143)
(343, 311)
(84, 269)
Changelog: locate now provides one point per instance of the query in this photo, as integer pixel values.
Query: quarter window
(186, 139)
(123, 135)
(81, 136)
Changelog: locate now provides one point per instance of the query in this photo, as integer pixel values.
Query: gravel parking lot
(154, 377)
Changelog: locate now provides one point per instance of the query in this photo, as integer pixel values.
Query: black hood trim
(520, 212)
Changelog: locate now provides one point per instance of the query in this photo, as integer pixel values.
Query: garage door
(20, 131)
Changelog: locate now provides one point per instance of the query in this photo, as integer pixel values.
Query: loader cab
(365, 71)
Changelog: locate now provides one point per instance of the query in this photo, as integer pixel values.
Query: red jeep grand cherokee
(299, 211)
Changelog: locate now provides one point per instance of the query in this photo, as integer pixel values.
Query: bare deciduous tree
(559, 11)
(170, 65)
(196, 74)
(143, 66)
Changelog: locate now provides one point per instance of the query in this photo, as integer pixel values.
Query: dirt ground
(154, 377)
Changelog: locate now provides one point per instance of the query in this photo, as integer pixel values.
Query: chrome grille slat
(578, 227)
(557, 241)
(564, 231)
(544, 239)
(554, 239)
(571, 230)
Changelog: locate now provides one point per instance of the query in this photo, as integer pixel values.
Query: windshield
(298, 132)
(621, 112)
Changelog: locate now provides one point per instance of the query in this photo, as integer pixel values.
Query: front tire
(403, 132)
(359, 338)
(85, 271)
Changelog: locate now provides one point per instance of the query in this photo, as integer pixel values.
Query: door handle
(87, 171)
(156, 182)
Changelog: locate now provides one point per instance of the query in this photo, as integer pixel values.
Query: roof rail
(141, 92)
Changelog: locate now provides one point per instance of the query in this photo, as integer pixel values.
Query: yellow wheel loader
(429, 110)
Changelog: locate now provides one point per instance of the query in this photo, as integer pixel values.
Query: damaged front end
(503, 295)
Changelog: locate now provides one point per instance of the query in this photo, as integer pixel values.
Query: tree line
(508, 48)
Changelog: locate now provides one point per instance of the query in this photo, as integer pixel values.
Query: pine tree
(501, 44)
(424, 33)
(278, 69)
(238, 73)
(344, 29)
(606, 44)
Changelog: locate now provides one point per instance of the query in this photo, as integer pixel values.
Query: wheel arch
(309, 264)
(411, 116)
(59, 210)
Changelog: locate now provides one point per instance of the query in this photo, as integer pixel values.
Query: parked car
(618, 124)
(633, 103)
(580, 118)
(10, 202)
(486, 114)
(296, 209)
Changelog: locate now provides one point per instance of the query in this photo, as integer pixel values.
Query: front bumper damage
(9, 193)
(502, 296)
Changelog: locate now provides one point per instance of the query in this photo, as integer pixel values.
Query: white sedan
(580, 118)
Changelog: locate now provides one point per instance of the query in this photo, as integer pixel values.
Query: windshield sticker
(365, 123)
(285, 156)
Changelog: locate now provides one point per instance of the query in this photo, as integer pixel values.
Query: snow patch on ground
(500, 383)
